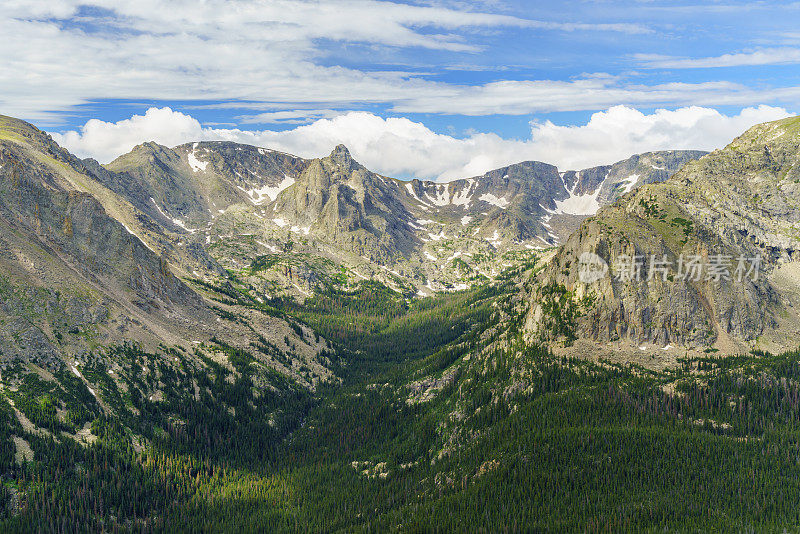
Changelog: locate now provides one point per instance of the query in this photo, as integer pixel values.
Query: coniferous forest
(425, 432)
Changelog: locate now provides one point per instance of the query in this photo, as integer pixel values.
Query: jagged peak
(341, 156)
(340, 149)
(146, 148)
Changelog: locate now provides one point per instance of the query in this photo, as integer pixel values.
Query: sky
(437, 89)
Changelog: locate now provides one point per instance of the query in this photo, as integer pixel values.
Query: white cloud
(767, 56)
(789, 38)
(293, 116)
(515, 97)
(401, 147)
(106, 140)
(621, 131)
(58, 54)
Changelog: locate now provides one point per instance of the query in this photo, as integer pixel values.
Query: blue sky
(486, 80)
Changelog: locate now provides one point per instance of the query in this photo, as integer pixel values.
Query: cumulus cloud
(621, 131)
(106, 140)
(401, 147)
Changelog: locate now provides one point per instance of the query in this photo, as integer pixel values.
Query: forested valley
(443, 419)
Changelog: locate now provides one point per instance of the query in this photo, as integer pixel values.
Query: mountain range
(292, 228)
(239, 202)
(218, 336)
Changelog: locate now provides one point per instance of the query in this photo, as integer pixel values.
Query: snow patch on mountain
(574, 204)
(630, 183)
(195, 163)
(464, 198)
(442, 195)
(298, 230)
(496, 201)
(579, 204)
(176, 222)
(260, 195)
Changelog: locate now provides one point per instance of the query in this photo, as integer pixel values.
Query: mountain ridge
(737, 202)
(78, 279)
(335, 206)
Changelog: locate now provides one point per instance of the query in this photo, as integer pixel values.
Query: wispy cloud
(58, 54)
(273, 62)
(596, 92)
(766, 56)
(293, 116)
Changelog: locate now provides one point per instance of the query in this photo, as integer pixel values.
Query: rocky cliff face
(187, 186)
(729, 207)
(222, 205)
(38, 196)
(74, 279)
(344, 204)
(60, 240)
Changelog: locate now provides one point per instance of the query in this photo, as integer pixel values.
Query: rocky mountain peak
(151, 147)
(143, 154)
(774, 135)
(341, 156)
